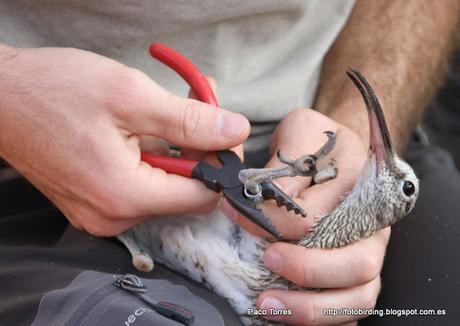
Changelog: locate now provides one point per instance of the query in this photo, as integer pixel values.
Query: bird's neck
(353, 219)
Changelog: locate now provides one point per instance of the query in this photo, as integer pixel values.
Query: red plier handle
(203, 91)
(179, 166)
(186, 69)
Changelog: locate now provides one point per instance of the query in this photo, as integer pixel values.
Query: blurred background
(442, 118)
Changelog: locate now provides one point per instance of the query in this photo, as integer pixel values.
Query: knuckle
(310, 313)
(110, 205)
(307, 275)
(132, 82)
(368, 268)
(109, 211)
(299, 114)
(114, 209)
(190, 121)
(127, 90)
(308, 115)
(370, 294)
(98, 227)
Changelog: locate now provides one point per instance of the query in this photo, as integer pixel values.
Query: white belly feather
(210, 249)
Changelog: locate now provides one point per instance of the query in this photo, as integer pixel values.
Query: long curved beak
(380, 142)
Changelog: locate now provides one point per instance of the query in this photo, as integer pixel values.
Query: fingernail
(273, 261)
(230, 125)
(270, 304)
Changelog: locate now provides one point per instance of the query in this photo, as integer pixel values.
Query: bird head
(390, 184)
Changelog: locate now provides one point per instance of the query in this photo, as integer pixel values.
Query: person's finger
(103, 227)
(318, 268)
(95, 223)
(153, 144)
(293, 139)
(200, 155)
(320, 307)
(134, 189)
(195, 154)
(147, 109)
(153, 190)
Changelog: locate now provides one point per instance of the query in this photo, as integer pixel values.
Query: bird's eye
(408, 188)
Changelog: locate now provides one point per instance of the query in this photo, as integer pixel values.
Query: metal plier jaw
(226, 179)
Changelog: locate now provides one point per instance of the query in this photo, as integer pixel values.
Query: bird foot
(142, 260)
(305, 165)
(328, 173)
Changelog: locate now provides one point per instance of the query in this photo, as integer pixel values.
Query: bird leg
(305, 166)
(141, 258)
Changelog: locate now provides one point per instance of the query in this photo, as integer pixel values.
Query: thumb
(185, 122)
(198, 155)
(195, 154)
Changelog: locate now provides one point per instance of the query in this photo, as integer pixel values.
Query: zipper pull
(134, 284)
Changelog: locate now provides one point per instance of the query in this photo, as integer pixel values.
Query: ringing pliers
(224, 179)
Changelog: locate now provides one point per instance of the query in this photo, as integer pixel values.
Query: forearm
(7, 55)
(5, 51)
(401, 47)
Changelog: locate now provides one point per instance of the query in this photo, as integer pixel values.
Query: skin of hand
(71, 121)
(410, 46)
(349, 276)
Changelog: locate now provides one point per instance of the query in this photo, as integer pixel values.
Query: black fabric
(38, 253)
(442, 118)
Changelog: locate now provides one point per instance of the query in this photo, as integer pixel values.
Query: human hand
(71, 121)
(348, 276)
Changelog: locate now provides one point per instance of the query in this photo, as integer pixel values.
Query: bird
(215, 251)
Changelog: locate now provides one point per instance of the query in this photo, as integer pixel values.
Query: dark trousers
(39, 252)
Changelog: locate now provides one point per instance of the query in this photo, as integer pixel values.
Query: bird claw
(305, 166)
(328, 146)
(328, 173)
